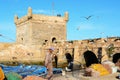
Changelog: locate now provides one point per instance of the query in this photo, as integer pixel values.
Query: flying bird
(87, 17)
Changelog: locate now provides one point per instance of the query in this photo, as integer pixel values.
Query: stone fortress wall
(36, 33)
(20, 52)
(37, 29)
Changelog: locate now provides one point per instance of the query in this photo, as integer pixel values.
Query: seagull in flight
(88, 17)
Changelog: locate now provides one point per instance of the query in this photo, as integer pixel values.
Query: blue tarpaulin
(25, 70)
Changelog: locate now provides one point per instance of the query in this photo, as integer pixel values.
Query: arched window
(53, 40)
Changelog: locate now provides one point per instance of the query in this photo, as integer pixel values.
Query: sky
(103, 17)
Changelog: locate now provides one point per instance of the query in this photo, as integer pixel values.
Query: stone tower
(36, 29)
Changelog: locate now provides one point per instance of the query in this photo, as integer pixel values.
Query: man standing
(56, 59)
(48, 63)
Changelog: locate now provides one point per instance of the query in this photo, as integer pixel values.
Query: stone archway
(90, 58)
(68, 57)
(110, 50)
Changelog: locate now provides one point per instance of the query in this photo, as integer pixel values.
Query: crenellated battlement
(41, 18)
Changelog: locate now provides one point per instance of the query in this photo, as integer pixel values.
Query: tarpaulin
(28, 70)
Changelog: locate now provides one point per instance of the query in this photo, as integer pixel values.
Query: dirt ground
(78, 75)
(75, 75)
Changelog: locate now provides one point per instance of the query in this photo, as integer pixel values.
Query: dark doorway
(69, 61)
(90, 58)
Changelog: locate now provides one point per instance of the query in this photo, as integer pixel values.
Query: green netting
(13, 76)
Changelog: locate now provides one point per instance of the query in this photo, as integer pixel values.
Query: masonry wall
(23, 33)
(47, 31)
(34, 29)
(36, 53)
